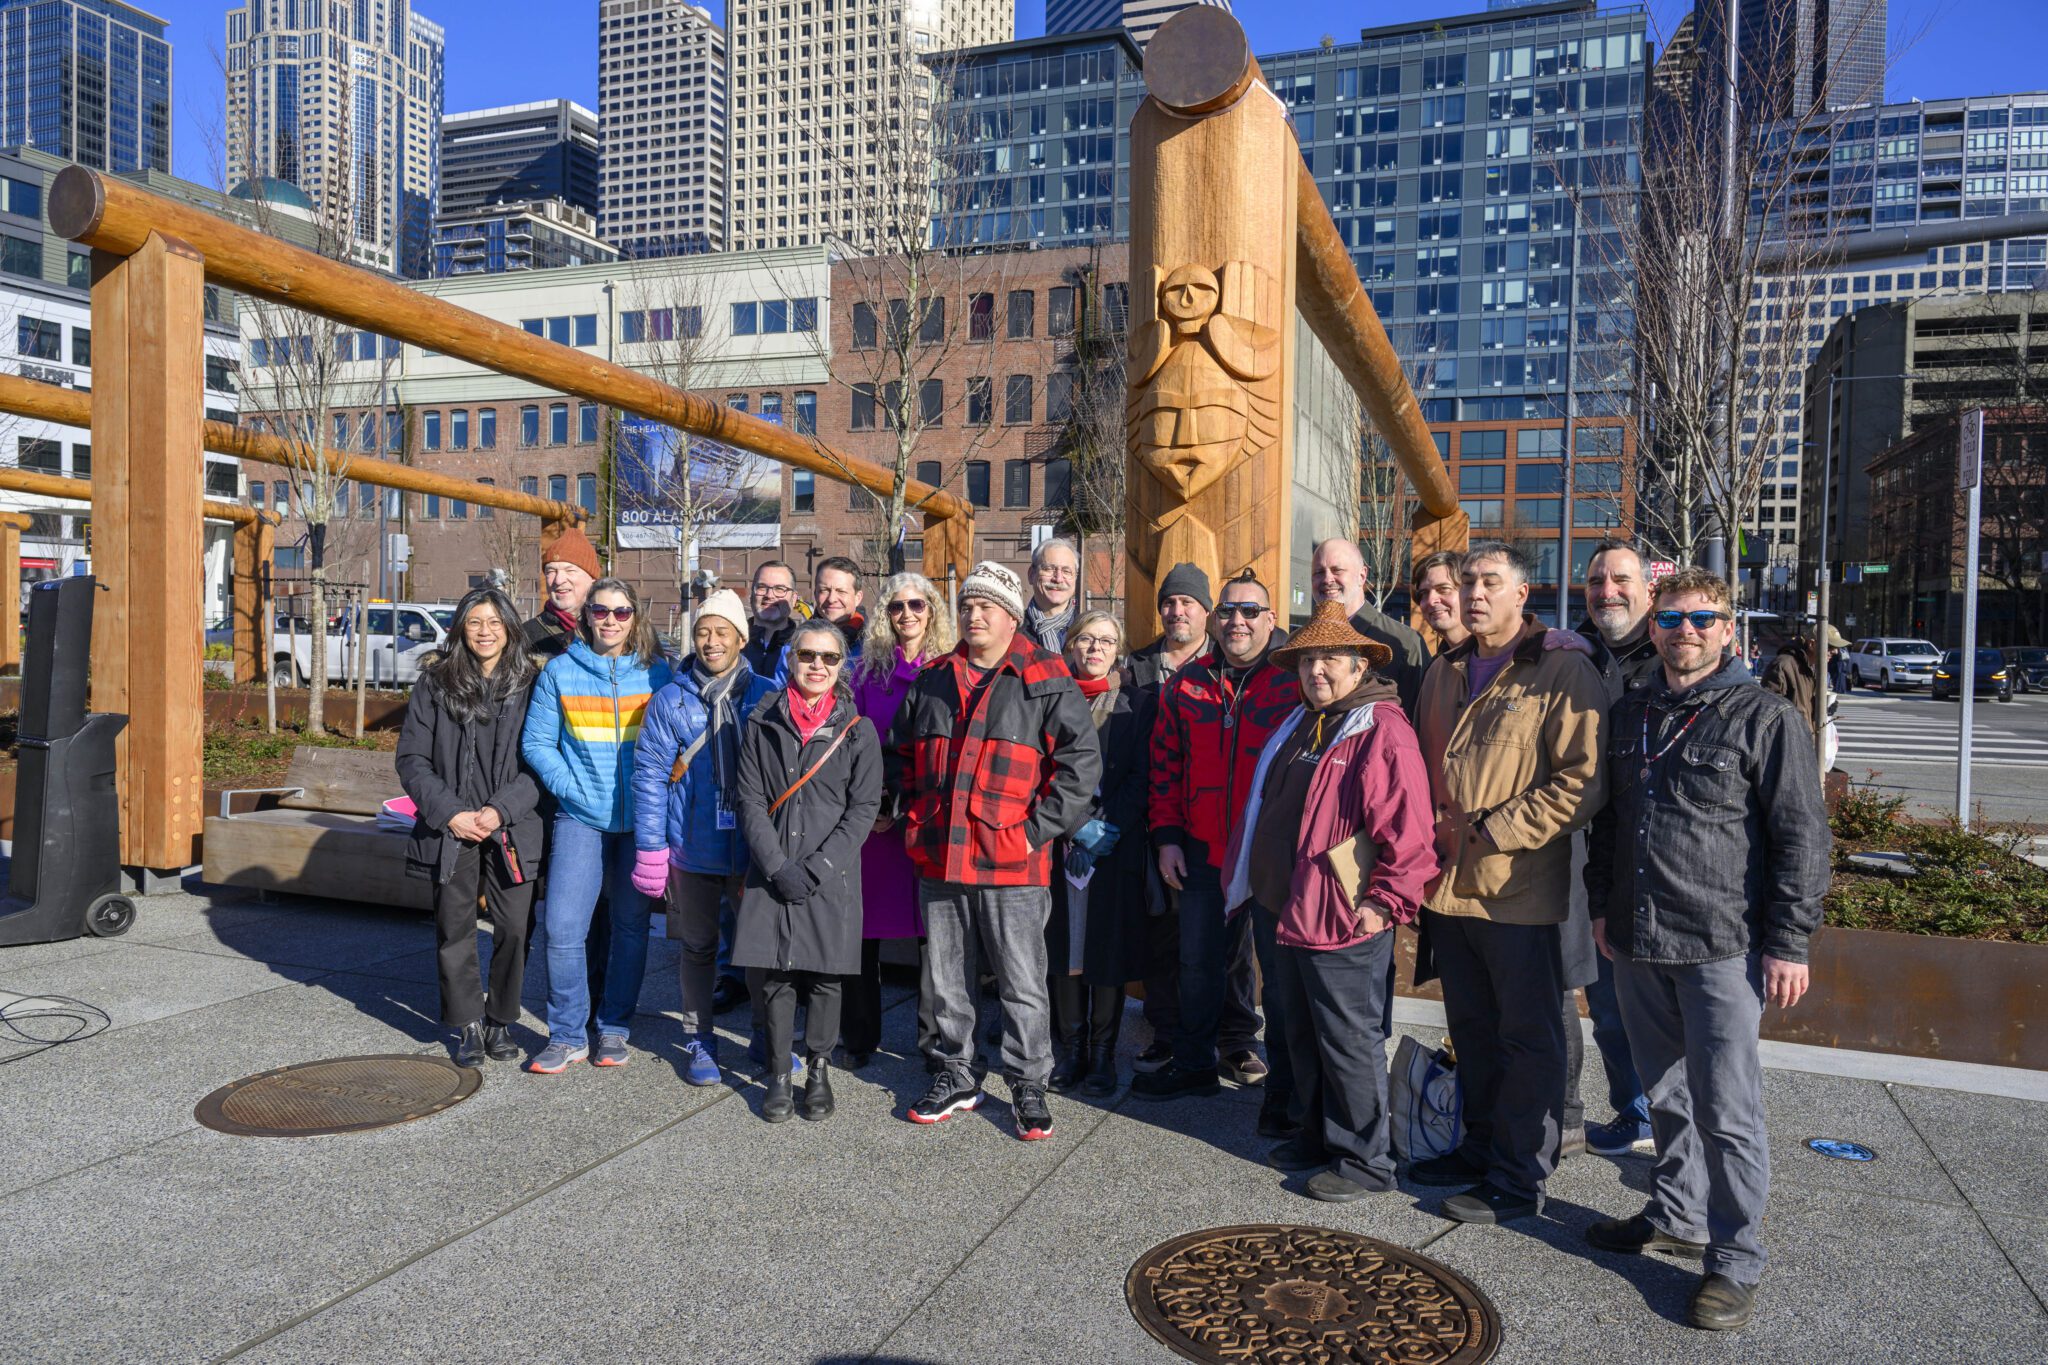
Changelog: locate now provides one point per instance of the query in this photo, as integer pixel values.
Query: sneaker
(1174, 1080)
(700, 1059)
(1721, 1305)
(1638, 1235)
(611, 1051)
(1488, 1203)
(1451, 1169)
(944, 1099)
(1245, 1067)
(1625, 1135)
(1027, 1107)
(1332, 1188)
(1157, 1053)
(556, 1058)
(1295, 1155)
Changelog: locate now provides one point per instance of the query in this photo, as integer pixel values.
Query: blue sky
(506, 51)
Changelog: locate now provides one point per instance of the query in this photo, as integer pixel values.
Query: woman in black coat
(476, 823)
(809, 786)
(1108, 857)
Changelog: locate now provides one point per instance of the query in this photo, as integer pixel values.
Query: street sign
(1970, 455)
(1660, 568)
(1812, 604)
(1877, 568)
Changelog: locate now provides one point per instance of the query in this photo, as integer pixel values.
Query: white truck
(391, 660)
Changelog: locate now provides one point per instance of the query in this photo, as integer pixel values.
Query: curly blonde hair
(878, 641)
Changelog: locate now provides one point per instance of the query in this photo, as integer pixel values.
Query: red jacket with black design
(985, 792)
(1205, 744)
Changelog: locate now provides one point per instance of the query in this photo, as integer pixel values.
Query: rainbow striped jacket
(580, 730)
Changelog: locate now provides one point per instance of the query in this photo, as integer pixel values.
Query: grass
(244, 755)
(1970, 884)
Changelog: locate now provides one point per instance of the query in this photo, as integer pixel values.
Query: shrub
(1862, 814)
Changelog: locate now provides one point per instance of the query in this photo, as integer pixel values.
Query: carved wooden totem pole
(1211, 364)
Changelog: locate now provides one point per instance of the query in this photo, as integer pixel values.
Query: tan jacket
(1512, 774)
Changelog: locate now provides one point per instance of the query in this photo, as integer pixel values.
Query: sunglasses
(916, 606)
(830, 658)
(598, 613)
(1701, 620)
(1250, 611)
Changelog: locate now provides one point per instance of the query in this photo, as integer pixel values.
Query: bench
(317, 835)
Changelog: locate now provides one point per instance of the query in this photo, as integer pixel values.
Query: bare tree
(1386, 511)
(1096, 430)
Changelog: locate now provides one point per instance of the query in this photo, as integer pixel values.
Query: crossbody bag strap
(812, 771)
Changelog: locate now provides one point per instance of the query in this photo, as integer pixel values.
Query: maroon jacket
(1201, 766)
(985, 792)
(1371, 783)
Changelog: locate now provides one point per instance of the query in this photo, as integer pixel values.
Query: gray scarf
(1050, 630)
(722, 709)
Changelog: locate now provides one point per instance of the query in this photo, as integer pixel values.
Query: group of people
(1235, 817)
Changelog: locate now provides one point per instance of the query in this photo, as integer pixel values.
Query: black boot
(779, 1105)
(498, 1044)
(1069, 1062)
(1105, 1020)
(817, 1088)
(469, 1047)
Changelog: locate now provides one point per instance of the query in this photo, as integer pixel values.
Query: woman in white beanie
(686, 831)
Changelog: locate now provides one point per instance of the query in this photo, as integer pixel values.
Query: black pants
(1085, 1015)
(821, 993)
(510, 908)
(1502, 988)
(1332, 1008)
(1162, 975)
(861, 1015)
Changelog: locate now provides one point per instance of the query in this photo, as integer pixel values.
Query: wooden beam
(948, 545)
(11, 527)
(80, 490)
(255, 548)
(148, 472)
(52, 403)
(1426, 535)
(112, 214)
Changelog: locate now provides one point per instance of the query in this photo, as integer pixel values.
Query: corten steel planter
(382, 709)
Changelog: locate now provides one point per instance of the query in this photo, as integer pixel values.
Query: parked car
(422, 629)
(2028, 665)
(1992, 677)
(1885, 662)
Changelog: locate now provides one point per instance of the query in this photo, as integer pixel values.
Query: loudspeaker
(53, 675)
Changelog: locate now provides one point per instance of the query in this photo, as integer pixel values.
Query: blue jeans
(1610, 1035)
(581, 861)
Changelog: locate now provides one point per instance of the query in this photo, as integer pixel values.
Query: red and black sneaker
(945, 1099)
(1027, 1106)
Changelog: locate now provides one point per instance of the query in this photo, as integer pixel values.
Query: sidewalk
(615, 1216)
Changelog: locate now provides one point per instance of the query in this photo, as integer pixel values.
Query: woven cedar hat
(1331, 628)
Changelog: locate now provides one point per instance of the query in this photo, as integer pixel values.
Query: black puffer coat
(444, 775)
(1113, 947)
(819, 831)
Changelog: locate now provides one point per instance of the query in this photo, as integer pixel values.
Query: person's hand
(463, 825)
(489, 821)
(650, 871)
(882, 823)
(1784, 982)
(1600, 939)
(1173, 866)
(1080, 862)
(1371, 919)
(1568, 640)
(790, 883)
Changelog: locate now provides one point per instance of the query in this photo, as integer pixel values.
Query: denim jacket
(1716, 843)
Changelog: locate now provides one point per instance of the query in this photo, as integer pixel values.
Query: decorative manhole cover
(1272, 1292)
(345, 1095)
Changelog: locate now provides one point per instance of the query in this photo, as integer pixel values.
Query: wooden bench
(317, 835)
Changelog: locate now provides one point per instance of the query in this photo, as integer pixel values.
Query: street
(1906, 742)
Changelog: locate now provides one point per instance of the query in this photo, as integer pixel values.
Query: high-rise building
(1141, 18)
(821, 106)
(524, 234)
(661, 114)
(343, 102)
(546, 149)
(1793, 56)
(86, 80)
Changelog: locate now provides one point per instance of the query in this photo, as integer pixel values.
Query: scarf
(1049, 630)
(810, 717)
(718, 692)
(563, 619)
(1100, 694)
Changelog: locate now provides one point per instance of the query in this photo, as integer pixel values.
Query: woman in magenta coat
(912, 628)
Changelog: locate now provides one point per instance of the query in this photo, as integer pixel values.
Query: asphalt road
(1906, 742)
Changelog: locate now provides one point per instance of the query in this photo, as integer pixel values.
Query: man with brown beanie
(993, 756)
(568, 566)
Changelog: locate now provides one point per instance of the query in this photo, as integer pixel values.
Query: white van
(391, 661)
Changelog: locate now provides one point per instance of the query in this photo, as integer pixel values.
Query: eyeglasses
(1701, 620)
(830, 658)
(598, 613)
(915, 606)
(773, 590)
(1093, 642)
(1250, 611)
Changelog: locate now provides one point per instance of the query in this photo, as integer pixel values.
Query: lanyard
(1650, 759)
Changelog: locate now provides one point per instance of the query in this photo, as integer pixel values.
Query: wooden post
(1211, 355)
(255, 543)
(1426, 535)
(11, 526)
(948, 545)
(148, 471)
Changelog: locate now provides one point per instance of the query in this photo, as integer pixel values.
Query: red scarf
(1091, 688)
(810, 717)
(567, 622)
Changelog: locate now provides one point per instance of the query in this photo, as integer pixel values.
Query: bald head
(1337, 573)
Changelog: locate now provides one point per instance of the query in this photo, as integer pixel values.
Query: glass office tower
(87, 80)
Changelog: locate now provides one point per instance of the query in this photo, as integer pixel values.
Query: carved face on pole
(1205, 359)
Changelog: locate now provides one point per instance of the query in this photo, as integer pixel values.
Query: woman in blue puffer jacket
(581, 727)
(685, 828)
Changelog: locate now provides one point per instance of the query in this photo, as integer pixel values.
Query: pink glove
(650, 871)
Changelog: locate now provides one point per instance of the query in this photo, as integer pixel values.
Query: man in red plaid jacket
(992, 756)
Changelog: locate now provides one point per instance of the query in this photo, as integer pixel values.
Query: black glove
(790, 883)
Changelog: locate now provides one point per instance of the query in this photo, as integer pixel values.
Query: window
(977, 482)
(558, 487)
(928, 472)
(931, 328)
(258, 494)
(931, 402)
(980, 400)
(1538, 512)
(1059, 396)
(558, 424)
(18, 257)
(1483, 445)
(529, 485)
(1481, 511)
(487, 429)
(1017, 399)
(458, 510)
(586, 423)
(1539, 478)
(863, 418)
(806, 413)
(558, 331)
(586, 493)
(1016, 483)
(458, 429)
(81, 355)
(430, 430)
(430, 507)
(981, 317)
(536, 326)
(586, 329)
(746, 319)
(39, 340)
(1020, 308)
(774, 317)
(863, 327)
(803, 315)
(35, 453)
(1482, 478)
(529, 425)
(1059, 483)
(1597, 478)
(1539, 444)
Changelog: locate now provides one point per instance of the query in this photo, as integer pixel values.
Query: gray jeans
(1007, 923)
(693, 899)
(1692, 1029)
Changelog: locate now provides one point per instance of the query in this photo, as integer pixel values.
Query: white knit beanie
(997, 584)
(725, 605)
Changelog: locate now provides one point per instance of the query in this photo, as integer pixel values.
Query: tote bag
(1425, 1103)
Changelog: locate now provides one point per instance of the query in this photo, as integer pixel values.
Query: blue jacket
(682, 816)
(581, 727)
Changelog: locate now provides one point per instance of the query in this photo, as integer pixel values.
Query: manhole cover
(1279, 1293)
(345, 1095)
